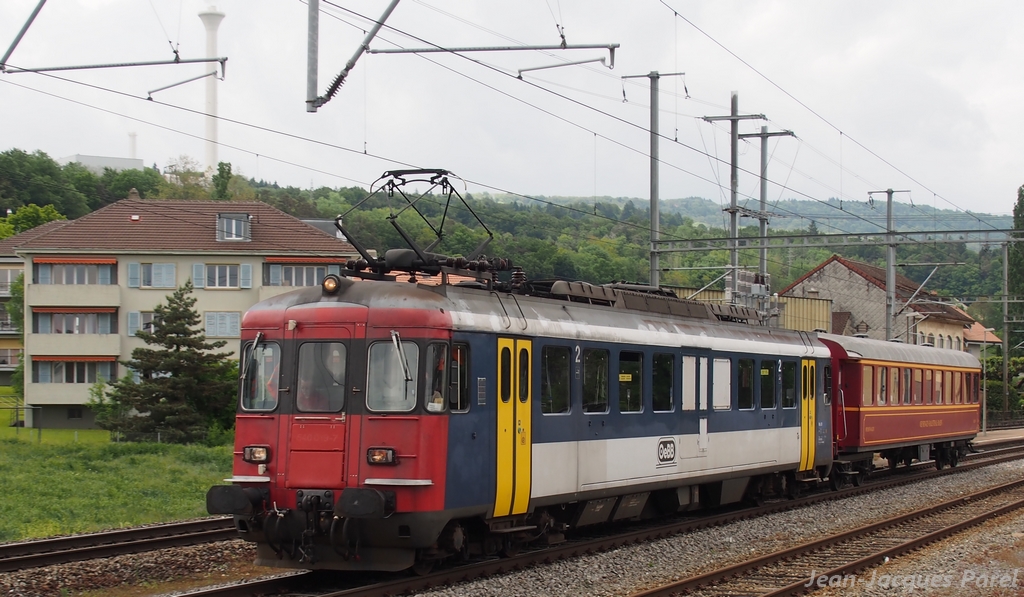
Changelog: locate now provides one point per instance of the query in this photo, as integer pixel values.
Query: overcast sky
(918, 96)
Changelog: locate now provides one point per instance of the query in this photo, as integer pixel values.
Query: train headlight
(330, 284)
(256, 454)
(381, 456)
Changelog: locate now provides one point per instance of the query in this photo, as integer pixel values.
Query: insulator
(518, 277)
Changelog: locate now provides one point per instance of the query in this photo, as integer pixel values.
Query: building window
(74, 323)
(141, 320)
(75, 412)
(222, 275)
(233, 227)
(297, 275)
(158, 275)
(68, 273)
(72, 372)
(223, 324)
(7, 276)
(10, 356)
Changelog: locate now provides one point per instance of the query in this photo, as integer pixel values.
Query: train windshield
(260, 377)
(387, 389)
(321, 383)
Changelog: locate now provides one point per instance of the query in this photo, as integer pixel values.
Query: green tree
(29, 216)
(184, 388)
(221, 180)
(34, 178)
(148, 182)
(187, 180)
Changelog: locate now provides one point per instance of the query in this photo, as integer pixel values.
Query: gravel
(995, 549)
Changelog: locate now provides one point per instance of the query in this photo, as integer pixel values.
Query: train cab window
(867, 389)
(321, 377)
(958, 388)
(391, 375)
(261, 372)
(554, 380)
(789, 375)
(927, 387)
(595, 380)
(917, 396)
(768, 376)
(689, 383)
(458, 391)
(745, 384)
(881, 383)
(938, 387)
(721, 388)
(663, 384)
(435, 376)
(827, 390)
(631, 391)
(906, 385)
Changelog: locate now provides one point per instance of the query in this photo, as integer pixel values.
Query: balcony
(7, 328)
(72, 295)
(73, 344)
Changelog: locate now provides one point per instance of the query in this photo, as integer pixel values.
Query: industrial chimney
(211, 20)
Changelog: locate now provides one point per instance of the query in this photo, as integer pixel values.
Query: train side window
(458, 391)
(867, 389)
(958, 387)
(827, 390)
(505, 383)
(435, 376)
(975, 379)
(894, 386)
(554, 379)
(881, 383)
(789, 375)
(595, 380)
(261, 377)
(947, 381)
(745, 384)
(387, 389)
(689, 383)
(927, 387)
(631, 391)
(321, 377)
(768, 377)
(663, 385)
(918, 398)
(938, 387)
(721, 398)
(906, 385)
(524, 375)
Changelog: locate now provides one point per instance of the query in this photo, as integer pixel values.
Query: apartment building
(92, 283)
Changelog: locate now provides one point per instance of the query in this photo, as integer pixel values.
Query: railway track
(60, 550)
(327, 585)
(839, 558)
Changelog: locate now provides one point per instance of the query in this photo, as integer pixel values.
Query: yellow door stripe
(504, 437)
(523, 429)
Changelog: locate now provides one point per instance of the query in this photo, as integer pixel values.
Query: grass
(54, 436)
(59, 487)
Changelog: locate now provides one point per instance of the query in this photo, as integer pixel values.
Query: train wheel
(423, 567)
(511, 548)
(894, 461)
(836, 479)
(857, 478)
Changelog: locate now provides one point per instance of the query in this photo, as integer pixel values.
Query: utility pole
(655, 219)
(762, 215)
(890, 262)
(733, 210)
(1006, 327)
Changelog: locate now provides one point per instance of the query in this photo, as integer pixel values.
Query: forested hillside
(593, 239)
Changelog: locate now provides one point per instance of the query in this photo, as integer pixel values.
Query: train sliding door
(514, 441)
(808, 408)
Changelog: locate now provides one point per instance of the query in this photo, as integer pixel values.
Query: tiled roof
(977, 333)
(9, 244)
(139, 225)
(905, 288)
(840, 319)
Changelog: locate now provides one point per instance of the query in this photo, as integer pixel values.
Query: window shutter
(211, 324)
(134, 275)
(198, 275)
(44, 273)
(275, 274)
(334, 269)
(234, 324)
(245, 275)
(134, 321)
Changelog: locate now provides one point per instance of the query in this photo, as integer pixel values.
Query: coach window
(894, 386)
(918, 398)
(721, 397)
(906, 386)
(927, 387)
(631, 390)
(974, 388)
(745, 384)
(554, 380)
(434, 378)
(387, 387)
(689, 383)
(867, 383)
(321, 379)
(789, 374)
(767, 377)
(595, 380)
(458, 391)
(958, 387)
(947, 382)
(664, 382)
(938, 387)
(881, 383)
(260, 375)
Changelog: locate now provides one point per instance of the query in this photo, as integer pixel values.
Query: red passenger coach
(902, 401)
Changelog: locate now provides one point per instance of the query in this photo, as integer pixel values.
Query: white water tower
(211, 20)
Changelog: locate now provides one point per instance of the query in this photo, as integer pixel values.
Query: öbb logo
(666, 451)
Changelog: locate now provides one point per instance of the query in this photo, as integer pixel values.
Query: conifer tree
(184, 387)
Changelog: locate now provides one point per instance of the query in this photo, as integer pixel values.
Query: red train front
(316, 480)
(903, 402)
